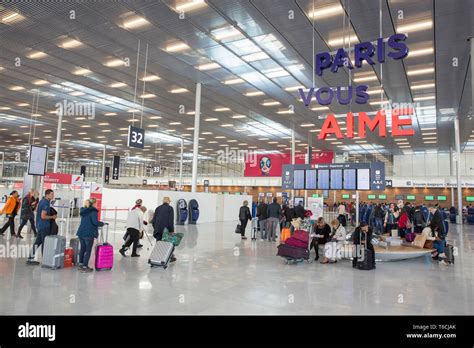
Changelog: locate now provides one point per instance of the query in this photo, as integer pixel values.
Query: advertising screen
(363, 179)
(323, 179)
(441, 198)
(298, 183)
(346, 196)
(382, 196)
(371, 197)
(336, 179)
(350, 179)
(311, 179)
(429, 198)
(411, 197)
(37, 160)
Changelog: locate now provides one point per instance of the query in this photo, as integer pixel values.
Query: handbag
(428, 244)
(174, 238)
(238, 229)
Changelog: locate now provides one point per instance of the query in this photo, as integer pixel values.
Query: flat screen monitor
(346, 196)
(297, 200)
(37, 160)
(411, 197)
(325, 193)
(363, 179)
(298, 179)
(336, 179)
(399, 197)
(311, 179)
(323, 179)
(441, 198)
(350, 179)
(315, 195)
(382, 196)
(371, 196)
(469, 198)
(429, 198)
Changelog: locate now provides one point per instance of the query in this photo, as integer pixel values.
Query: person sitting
(321, 232)
(362, 238)
(439, 232)
(337, 238)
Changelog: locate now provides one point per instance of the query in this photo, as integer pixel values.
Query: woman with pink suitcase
(87, 232)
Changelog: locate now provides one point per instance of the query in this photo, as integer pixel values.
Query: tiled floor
(217, 273)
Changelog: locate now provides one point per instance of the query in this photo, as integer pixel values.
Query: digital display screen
(336, 179)
(442, 198)
(371, 197)
(399, 197)
(382, 196)
(311, 179)
(37, 160)
(325, 193)
(315, 195)
(350, 179)
(411, 197)
(345, 196)
(429, 198)
(323, 179)
(298, 180)
(363, 179)
(469, 198)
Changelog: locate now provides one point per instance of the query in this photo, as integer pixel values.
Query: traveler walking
(244, 217)
(135, 226)
(28, 204)
(163, 218)
(11, 210)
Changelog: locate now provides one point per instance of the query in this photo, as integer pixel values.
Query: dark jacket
(244, 213)
(27, 207)
(359, 237)
(274, 210)
(262, 211)
(89, 223)
(290, 214)
(379, 213)
(437, 224)
(419, 218)
(299, 211)
(325, 231)
(163, 218)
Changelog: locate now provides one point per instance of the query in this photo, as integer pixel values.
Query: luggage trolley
(284, 250)
(254, 228)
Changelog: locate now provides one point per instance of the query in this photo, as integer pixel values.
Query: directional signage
(107, 175)
(156, 170)
(136, 137)
(116, 168)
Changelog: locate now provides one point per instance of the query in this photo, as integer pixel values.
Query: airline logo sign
(63, 179)
(96, 188)
(77, 179)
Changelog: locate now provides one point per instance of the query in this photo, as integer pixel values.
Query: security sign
(136, 137)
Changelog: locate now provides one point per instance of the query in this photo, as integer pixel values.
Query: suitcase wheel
(165, 267)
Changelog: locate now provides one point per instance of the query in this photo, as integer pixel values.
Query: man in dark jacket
(163, 218)
(439, 232)
(28, 204)
(274, 215)
(419, 220)
(262, 218)
(244, 217)
(362, 237)
(299, 210)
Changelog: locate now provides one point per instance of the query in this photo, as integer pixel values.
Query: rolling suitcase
(104, 252)
(291, 252)
(366, 263)
(74, 245)
(449, 252)
(53, 252)
(161, 254)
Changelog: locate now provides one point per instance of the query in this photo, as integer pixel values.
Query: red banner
(58, 178)
(271, 164)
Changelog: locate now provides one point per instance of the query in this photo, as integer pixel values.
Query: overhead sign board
(37, 159)
(136, 137)
(116, 168)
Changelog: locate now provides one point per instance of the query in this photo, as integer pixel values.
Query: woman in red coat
(403, 223)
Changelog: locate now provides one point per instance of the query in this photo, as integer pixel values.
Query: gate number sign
(136, 137)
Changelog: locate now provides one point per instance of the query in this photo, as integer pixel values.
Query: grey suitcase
(161, 254)
(75, 245)
(53, 252)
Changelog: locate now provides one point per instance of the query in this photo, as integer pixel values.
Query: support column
(293, 157)
(197, 114)
(103, 165)
(3, 164)
(357, 208)
(181, 166)
(458, 167)
(58, 141)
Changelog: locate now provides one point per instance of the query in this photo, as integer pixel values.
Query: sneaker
(134, 255)
(32, 262)
(173, 259)
(86, 270)
(19, 236)
(444, 263)
(243, 237)
(122, 251)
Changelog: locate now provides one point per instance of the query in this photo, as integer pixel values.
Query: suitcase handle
(106, 232)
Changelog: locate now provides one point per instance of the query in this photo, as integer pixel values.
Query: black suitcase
(367, 261)
(449, 252)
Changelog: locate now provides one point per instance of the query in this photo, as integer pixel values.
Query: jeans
(263, 228)
(40, 236)
(272, 224)
(24, 221)
(10, 223)
(439, 246)
(85, 251)
(243, 226)
(378, 225)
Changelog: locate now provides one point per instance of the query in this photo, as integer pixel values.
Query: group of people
(27, 213)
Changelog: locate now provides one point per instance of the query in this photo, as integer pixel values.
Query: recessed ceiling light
(255, 57)
(12, 18)
(148, 95)
(5, 108)
(206, 133)
(110, 114)
(208, 66)
(292, 89)
(133, 110)
(239, 116)
(23, 104)
(341, 40)
(422, 86)
(365, 79)
(176, 47)
(307, 125)
(174, 123)
(16, 88)
(155, 117)
(221, 109)
(114, 63)
(225, 33)
(150, 78)
(36, 55)
(70, 43)
(320, 108)
(379, 102)
(254, 94)
(416, 26)
(274, 73)
(431, 97)
(76, 93)
(270, 103)
(233, 81)
(178, 90)
(285, 111)
(416, 72)
(220, 137)
(227, 125)
(81, 71)
(420, 52)
(135, 22)
(374, 91)
(211, 119)
(190, 5)
(325, 12)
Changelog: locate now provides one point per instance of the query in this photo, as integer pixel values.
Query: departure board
(363, 179)
(350, 179)
(336, 179)
(298, 177)
(323, 179)
(311, 179)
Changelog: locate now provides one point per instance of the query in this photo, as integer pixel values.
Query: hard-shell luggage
(104, 252)
(74, 244)
(161, 254)
(296, 243)
(68, 256)
(254, 229)
(449, 252)
(53, 252)
(367, 260)
(288, 251)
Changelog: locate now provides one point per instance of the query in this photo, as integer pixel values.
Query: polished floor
(217, 273)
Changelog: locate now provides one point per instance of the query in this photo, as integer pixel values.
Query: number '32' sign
(136, 137)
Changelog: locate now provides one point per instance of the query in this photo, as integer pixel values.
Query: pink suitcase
(104, 253)
(296, 243)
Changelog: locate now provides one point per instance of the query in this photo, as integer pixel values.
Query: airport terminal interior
(275, 157)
